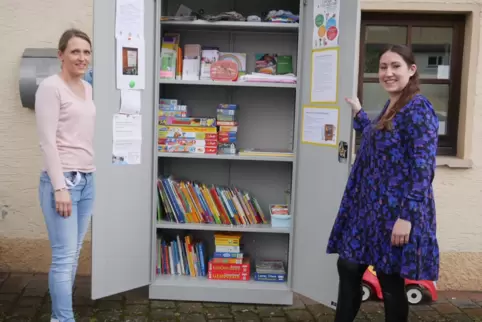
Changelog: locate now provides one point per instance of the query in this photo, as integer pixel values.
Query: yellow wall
(23, 240)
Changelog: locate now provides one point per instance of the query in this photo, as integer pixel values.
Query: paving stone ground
(24, 297)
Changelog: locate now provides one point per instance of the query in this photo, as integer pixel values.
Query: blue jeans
(66, 235)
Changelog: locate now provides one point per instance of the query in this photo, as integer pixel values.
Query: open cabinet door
(320, 175)
(122, 220)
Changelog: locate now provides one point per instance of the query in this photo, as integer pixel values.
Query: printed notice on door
(320, 125)
(127, 139)
(324, 76)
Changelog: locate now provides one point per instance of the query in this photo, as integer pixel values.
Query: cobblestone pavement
(23, 297)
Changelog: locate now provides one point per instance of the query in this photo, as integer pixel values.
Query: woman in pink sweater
(65, 115)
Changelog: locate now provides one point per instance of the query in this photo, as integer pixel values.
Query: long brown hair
(412, 88)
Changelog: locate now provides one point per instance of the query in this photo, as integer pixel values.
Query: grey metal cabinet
(125, 227)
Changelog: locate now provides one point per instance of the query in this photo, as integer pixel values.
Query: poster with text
(326, 23)
(127, 139)
(320, 125)
(324, 76)
(126, 152)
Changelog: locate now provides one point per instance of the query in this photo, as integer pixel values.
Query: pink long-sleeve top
(65, 125)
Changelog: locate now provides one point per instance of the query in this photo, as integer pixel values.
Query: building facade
(445, 36)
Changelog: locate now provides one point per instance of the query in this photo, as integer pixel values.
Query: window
(437, 42)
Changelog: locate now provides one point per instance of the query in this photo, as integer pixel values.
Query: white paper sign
(126, 152)
(127, 127)
(324, 76)
(127, 139)
(320, 125)
(130, 102)
(130, 62)
(129, 18)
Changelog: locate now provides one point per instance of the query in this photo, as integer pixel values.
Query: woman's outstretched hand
(355, 104)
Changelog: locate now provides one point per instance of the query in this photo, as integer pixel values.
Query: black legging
(350, 293)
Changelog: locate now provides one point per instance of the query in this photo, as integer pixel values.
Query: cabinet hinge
(305, 2)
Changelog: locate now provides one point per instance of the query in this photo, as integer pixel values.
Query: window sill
(444, 161)
(454, 162)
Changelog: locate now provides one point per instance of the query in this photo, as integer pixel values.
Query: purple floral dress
(392, 178)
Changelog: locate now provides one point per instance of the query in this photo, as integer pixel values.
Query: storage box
(280, 221)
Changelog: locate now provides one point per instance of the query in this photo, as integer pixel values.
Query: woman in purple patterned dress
(387, 214)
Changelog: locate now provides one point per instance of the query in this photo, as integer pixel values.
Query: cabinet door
(320, 177)
(122, 220)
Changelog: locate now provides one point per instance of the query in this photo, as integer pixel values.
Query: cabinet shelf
(174, 287)
(226, 83)
(233, 25)
(261, 228)
(224, 157)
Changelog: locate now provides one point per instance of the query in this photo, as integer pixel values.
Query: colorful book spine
(181, 256)
(193, 202)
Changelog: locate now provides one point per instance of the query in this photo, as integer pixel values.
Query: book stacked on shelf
(227, 128)
(228, 261)
(181, 133)
(181, 256)
(270, 271)
(192, 202)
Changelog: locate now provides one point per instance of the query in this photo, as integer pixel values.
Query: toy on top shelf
(415, 289)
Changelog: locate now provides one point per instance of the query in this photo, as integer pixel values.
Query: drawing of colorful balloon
(321, 31)
(319, 20)
(331, 23)
(332, 33)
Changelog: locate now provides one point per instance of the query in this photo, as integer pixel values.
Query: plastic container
(281, 221)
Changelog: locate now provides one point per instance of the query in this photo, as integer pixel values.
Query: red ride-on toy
(415, 289)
